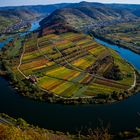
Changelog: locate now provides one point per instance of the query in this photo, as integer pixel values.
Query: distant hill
(133, 8)
(76, 15)
(40, 9)
(137, 12)
(14, 14)
(9, 17)
(18, 14)
(85, 14)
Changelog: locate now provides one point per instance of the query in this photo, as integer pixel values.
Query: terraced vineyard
(71, 65)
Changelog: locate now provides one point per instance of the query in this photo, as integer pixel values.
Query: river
(121, 116)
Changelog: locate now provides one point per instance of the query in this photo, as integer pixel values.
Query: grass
(29, 133)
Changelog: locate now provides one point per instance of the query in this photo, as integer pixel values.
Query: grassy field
(72, 65)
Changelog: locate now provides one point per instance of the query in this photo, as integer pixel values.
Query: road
(20, 63)
(134, 84)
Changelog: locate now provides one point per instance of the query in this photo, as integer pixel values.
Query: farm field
(124, 34)
(71, 65)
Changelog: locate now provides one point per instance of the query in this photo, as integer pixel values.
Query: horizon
(6, 3)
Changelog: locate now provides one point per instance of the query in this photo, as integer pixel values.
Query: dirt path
(20, 63)
(134, 84)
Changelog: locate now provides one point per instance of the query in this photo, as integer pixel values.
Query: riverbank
(114, 43)
(25, 87)
(29, 89)
(14, 129)
(99, 99)
(23, 129)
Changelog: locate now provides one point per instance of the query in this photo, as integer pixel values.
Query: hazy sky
(35, 2)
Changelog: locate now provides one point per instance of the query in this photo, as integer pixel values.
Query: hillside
(86, 15)
(71, 14)
(42, 10)
(19, 129)
(21, 14)
(15, 133)
(123, 34)
(10, 18)
(133, 8)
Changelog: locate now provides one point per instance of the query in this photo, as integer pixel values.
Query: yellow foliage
(14, 133)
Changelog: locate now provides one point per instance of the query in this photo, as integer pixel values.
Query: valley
(59, 63)
(16, 20)
(53, 55)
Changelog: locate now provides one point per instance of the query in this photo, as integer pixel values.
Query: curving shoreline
(98, 99)
(114, 43)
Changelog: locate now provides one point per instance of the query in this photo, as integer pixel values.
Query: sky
(46, 2)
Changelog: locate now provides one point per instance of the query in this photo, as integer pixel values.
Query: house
(32, 79)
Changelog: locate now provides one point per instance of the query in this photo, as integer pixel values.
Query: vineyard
(72, 65)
